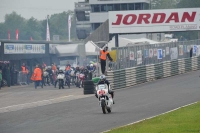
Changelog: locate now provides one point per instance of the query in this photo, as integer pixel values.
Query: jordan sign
(144, 21)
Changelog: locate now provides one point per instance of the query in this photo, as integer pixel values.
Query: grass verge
(183, 120)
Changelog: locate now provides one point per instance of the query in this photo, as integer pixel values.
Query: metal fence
(22, 78)
(140, 55)
(136, 75)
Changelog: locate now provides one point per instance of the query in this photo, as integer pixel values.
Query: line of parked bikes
(68, 78)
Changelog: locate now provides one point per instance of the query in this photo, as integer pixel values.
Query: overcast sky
(38, 9)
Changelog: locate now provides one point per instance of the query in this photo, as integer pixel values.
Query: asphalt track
(85, 116)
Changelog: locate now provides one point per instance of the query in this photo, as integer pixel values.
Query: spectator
(54, 69)
(8, 75)
(37, 76)
(68, 66)
(23, 68)
(12, 74)
(44, 65)
(103, 56)
(27, 74)
(191, 51)
(0, 78)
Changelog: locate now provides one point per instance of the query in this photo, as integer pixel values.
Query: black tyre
(85, 92)
(88, 88)
(90, 76)
(109, 110)
(103, 106)
(88, 82)
(59, 84)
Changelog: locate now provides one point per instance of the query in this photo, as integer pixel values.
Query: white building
(91, 14)
(100, 9)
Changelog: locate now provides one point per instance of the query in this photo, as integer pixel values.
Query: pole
(69, 27)
(69, 35)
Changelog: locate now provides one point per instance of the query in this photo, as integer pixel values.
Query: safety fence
(136, 75)
(145, 54)
(22, 78)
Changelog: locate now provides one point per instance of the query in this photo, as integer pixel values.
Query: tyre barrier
(89, 87)
(136, 75)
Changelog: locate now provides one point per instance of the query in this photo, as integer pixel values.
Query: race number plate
(101, 87)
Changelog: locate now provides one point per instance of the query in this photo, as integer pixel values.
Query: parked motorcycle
(81, 79)
(77, 79)
(61, 78)
(46, 78)
(105, 99)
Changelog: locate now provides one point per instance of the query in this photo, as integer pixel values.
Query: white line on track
(152, 116)
(34, 104)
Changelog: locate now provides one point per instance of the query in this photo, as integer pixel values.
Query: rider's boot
(112, 95)
(96, 95)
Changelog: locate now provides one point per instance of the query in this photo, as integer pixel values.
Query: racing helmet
(91, 65)
(102, 77)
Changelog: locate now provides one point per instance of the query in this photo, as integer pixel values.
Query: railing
(22, 78)
(136, 75)
(141, 55)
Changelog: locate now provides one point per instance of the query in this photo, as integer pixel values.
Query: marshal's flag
(8, 34)
(17, 34)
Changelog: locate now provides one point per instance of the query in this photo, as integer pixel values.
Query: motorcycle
(81, 79)
(73, 78)
(46, 77)
(60, 79)
(105, 99)
(77, 79)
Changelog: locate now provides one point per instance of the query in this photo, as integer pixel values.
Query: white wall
(98, 17)
(117, 1)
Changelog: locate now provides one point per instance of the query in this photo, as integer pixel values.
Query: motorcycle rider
(84, 71)
(104, 81)
(60, 72)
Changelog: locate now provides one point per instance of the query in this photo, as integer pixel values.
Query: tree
(14, 21)
(33, 29)
(188, 3)
(58, 24)
(189, 35)
(163, 4)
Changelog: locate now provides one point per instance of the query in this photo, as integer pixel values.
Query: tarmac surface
(50, 110)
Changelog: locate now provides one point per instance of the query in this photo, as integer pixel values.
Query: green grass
(183, 120)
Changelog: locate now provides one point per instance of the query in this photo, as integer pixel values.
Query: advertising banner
(167, 50)
(194, 49)
(150, 53)
(163, 20)
(180, 49)
(131, 56)
(164, 53)
(160, 54)
(155, 52)
(24, 48)
(139, 57)
(174, 53)
(146, 53)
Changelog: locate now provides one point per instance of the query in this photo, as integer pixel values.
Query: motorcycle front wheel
(60, 84)
(103, 106)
